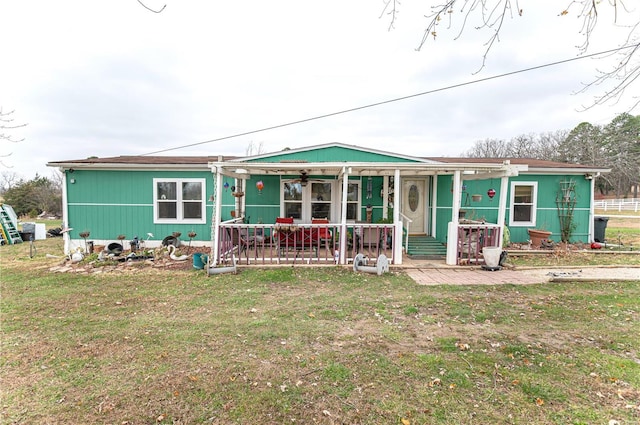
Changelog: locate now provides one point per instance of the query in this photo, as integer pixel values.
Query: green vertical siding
(332, 154)
(487, 209)
(112, 203)
(263, 206)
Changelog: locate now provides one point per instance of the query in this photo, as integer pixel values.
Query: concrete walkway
(449, 275)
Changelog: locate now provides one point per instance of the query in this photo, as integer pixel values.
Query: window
(353, 200)
(179, 200)
(318, 199)
(293, 200)
(321, 200)
(523, 203)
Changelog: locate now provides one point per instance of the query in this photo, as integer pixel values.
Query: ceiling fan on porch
(304, 179)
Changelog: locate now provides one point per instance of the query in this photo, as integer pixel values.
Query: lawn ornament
(173, 256)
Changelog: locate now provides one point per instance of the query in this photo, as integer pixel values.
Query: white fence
(630, 204)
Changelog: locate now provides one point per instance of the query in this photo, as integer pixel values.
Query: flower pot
(491, 255)
(537, 236)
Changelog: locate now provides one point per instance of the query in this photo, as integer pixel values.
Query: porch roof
(468, 170)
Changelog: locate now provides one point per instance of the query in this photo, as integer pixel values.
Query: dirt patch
(128, 261)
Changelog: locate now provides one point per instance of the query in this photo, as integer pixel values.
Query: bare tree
(488, 148)
(492, 15)
(621, 145)
(254, 149)
(542, 146)
(8, 180)
(6, 126)
(548, 144)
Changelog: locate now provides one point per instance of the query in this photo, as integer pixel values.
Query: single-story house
(325, 203)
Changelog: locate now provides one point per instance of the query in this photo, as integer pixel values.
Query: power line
(397, 99)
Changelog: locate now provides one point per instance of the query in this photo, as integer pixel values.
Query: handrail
(408, 221)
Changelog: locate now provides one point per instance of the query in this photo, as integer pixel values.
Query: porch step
(425, 247)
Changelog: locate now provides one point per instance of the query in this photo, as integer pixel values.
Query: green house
(324, 204)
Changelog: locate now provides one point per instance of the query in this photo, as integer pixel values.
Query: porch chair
(284, 233)
(322, 234)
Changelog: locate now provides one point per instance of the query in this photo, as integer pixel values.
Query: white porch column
(434, 205)
(215, 222)
(397, 241)
(343, 218)
(502, 206)
(452, 233)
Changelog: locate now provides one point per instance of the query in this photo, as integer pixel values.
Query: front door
(414, 204)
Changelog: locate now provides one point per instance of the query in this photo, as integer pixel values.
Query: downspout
(452, 231)
(592, 212)
(502, 207)
(343, 218)
(65, 214)
(397, 253)
(215, 222)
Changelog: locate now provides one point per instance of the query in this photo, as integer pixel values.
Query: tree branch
(148, 8)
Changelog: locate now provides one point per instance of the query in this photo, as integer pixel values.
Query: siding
(112, 203)
(332, 154)
(546, 213)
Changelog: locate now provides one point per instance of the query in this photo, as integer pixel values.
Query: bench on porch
(289, 236)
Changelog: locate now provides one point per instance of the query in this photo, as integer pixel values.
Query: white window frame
(534, 204)
(305, 215)
(179, 201)
(358, 202)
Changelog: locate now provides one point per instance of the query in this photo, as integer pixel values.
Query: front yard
(310, 345)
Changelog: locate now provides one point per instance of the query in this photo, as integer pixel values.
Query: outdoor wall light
(72, 181)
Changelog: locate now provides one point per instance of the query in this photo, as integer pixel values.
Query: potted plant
(84, 235)
(121, 238)
(538, 235)
(191, 235)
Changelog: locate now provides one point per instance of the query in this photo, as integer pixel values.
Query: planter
(491, 255)
(537, 236)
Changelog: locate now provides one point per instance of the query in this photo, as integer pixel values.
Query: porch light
(259, 186)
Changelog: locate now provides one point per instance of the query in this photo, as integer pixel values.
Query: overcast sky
(111, 78)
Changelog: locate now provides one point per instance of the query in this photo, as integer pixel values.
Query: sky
(112, 78)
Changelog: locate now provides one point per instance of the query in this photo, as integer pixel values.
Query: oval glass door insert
(414, 197)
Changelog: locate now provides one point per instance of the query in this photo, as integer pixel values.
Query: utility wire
(397, 99)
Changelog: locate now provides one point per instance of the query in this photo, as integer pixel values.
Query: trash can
(599, 227)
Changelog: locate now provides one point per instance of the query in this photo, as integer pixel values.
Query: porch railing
(472, 238)
(272, 244)
(406, 223)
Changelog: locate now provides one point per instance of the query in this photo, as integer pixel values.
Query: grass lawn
(310, 345)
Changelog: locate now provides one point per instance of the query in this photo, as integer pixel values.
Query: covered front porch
(408, 204)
